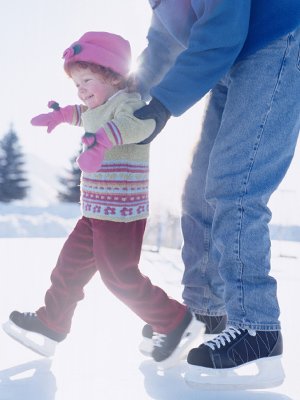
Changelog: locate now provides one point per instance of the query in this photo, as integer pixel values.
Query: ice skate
(28, 330)
(237, 359)
(146, 345)
(169, 349)
(212, 326)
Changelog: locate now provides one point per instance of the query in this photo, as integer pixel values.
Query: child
(114, 201)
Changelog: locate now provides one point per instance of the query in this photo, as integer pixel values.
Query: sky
(34, 35)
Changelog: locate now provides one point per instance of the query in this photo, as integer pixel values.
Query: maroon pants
(113, 249)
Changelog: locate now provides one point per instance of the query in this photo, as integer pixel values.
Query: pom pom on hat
(101, 48)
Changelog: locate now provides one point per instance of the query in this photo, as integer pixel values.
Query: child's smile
(93, 90)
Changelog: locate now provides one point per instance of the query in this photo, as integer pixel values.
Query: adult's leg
(74, 269)
(203, 287)
(251, 154)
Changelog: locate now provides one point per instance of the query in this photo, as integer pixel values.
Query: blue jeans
(247, 143)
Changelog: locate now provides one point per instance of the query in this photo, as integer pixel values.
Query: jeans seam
(206, 238)
(259, 136)
(247, 178)
(241, 265)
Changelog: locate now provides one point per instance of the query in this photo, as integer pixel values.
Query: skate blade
(191, 337)
(266, 373)
(146, 347)
(41, 345)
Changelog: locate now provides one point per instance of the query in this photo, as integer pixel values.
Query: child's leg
(117, 249)
(74, 269)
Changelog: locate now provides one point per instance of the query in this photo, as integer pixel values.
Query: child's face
(93, 90)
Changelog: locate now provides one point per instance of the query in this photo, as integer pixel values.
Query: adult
(246, 54)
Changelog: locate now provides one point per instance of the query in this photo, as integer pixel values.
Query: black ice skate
(212, 326)
(28, 330)
(237, 359)
(146, 345)
(169, 349)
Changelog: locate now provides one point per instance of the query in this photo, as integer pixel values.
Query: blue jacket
(193, 43)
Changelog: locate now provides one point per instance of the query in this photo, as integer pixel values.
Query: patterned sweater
(119, 190)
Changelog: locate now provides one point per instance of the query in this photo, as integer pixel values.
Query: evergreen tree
(13, 183)
(70, 182)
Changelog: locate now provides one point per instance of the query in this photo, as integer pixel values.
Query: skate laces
(158, 339)
(226, 336)
(29, 314)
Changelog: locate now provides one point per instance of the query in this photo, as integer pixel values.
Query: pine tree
(13, 183)
(71, 183)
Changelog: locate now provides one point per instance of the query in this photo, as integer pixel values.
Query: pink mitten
(91, 159)
(57, 116)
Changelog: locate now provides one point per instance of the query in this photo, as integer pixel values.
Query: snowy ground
(100, 360)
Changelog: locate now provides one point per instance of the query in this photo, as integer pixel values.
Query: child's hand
(68, 114)
(91, 159)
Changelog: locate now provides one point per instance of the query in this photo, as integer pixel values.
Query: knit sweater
(193, 44)
(119, 190)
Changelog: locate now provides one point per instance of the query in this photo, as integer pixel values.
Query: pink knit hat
(101, 48)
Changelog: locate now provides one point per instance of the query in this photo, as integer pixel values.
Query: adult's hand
(154, 110)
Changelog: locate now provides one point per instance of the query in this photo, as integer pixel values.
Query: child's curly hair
(106, 73)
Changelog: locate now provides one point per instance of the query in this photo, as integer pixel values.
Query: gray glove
(154, 110)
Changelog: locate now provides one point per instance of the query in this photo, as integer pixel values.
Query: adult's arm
(216, 39)
(157, 58)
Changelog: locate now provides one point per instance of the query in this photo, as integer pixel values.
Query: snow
(100, 358)
(55, 220)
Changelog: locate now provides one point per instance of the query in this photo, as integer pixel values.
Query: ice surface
(100, 358)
